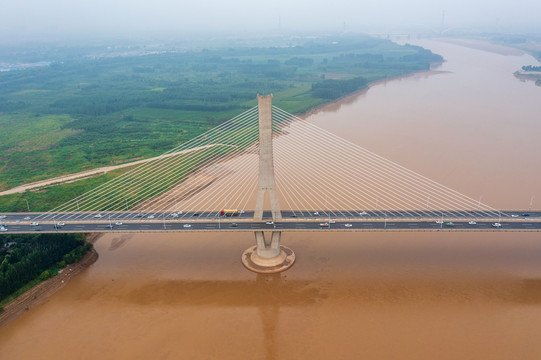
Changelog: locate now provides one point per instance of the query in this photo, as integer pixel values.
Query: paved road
(315, 215)
(365, 225)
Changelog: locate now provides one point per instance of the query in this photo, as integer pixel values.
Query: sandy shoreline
(484, 46)
(47, 288)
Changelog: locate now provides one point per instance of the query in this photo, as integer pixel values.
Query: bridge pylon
(267, 256)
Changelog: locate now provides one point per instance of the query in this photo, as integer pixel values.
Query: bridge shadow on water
(270, 294)
(276, 291)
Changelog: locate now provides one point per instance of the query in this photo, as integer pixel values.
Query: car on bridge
(3, 229)
(472, 223)
(348, 225)
(323, 225)
(270, 223)
(187, 225)
(35, 223)
(449, 224)
(98, 216)
(118, 223)
(497, 224)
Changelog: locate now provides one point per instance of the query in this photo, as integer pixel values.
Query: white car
(174, 215)
(150, 217)
(496, 224)
(472, 223)
(26, 218)
(439, 222)
(514, 215)
(35, 223)
(332, 221)
(316, 213)
(60, 224)
(3, 229)
(97, 216)
(348, 225)
(270, 223)
(2, 216)
(241, 211)
(363, 213)
(187, 226)
(118, 223)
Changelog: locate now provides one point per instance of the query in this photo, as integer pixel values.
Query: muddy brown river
(469, 124)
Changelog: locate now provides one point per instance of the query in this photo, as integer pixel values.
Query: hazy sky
(120, 17)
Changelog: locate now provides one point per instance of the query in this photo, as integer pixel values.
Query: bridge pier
(267, 256)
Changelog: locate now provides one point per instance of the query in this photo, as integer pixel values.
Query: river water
(469, 124)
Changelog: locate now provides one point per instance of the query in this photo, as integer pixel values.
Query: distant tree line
(531, 68)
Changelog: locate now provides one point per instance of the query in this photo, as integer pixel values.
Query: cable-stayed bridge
(267, 170)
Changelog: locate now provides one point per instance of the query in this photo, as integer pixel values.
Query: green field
(83, 112)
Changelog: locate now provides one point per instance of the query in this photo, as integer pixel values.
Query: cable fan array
(315, 170)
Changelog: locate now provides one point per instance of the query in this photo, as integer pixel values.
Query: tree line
(34, 256)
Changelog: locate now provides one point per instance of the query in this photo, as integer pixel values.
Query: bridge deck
(517, 220)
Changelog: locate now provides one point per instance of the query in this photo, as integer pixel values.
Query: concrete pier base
(264, 265)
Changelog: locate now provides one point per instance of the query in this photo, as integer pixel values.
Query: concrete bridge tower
(267, 256)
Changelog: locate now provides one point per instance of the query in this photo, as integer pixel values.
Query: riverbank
(347, 99)
(39, 293)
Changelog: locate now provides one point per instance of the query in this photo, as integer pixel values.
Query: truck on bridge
(229, 212)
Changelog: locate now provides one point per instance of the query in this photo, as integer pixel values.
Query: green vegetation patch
(30, 132)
